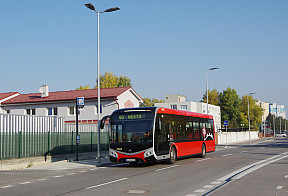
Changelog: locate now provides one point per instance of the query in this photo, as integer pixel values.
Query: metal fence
(30, 136)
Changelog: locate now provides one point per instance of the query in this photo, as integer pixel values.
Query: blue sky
(164, 46)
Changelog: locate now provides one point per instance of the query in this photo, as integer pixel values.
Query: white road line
(25, 183)
(226, 155)
(70, 174)
(93, 169)
(208, 186)
(250, 168)
(8, 186)
(286, 176)
(106, 183)
(58, 176)
(82, 171)
(42, 179)
(203, 160)
(167, 167)
(262, 148)
(279, 187)
(243, 151)
(216, 182)
(199, 191)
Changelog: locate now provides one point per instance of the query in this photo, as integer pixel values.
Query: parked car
(281, 135)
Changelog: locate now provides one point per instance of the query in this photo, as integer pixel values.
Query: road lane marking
(70, 174)
(42, 179)
(167, 167)
(250, 168)
(8, 186)
(216, 182)
(203, 160)
(286, 176)
(243, 151)
(25, 183)
(279, 187)
(226, 155)
(57, 176)
(106, 183)
(208, 186)
(199, 191)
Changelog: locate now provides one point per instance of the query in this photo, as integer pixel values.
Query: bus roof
(183, 113)
(167, 111)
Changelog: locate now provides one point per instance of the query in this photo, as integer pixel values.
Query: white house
(63, 103)
(178, 102)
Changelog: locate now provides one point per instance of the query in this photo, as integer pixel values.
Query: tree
(229, 102)
(255, 112)
(110, 80)
(124, 81)
(83, 87)
(150, 103)
(213, 97)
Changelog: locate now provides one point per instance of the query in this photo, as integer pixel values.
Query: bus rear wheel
(203, 151)
(173, 156)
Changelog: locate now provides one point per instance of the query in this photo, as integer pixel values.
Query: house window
(30, 111)
(72, 110)
(101, 107)
(174, 106)
(52, 111)
(7, 111)
(183, 107)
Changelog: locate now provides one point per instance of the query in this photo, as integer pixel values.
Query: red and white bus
(151, 134)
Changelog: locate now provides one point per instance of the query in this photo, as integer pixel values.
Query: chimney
(44, 90)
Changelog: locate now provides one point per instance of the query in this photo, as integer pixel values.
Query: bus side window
(196, 131)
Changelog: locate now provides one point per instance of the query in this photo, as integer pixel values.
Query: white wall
(234, 137)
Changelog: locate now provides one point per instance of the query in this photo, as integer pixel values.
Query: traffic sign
(80, 101)
(226, 122)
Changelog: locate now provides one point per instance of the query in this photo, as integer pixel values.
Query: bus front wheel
(173, 156)
(203, 151)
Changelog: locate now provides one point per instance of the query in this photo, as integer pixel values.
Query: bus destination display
(135, 116)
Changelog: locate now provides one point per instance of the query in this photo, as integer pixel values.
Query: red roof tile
(67, 95)
(6, 95)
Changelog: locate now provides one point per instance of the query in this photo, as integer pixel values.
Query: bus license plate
(130, 160)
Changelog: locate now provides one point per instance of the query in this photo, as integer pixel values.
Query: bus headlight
(113, 153)
(148, 153)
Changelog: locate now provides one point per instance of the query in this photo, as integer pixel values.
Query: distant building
(277, 110)
(178, 102)
(265, 107)
(62, 103)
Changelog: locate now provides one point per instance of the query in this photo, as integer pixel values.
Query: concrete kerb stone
(49, 161)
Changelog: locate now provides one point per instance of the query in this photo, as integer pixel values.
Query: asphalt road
(256, 169)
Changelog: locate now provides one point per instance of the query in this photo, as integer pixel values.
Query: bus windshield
(132, 127)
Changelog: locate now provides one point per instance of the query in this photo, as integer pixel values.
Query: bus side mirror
(103, 120)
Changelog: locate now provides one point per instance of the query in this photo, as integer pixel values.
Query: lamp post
(91, 7)
(213, 68)
(249, 116)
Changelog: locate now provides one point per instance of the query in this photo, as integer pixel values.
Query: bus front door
(162, 142)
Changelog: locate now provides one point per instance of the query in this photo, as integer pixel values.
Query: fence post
(91, 140)
(72, 144)
(49, 143)
(20, 144)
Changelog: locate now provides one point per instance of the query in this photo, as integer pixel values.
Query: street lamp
(213, 68)
(91, 7)
(249, 116)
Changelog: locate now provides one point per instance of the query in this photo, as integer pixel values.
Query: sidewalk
(63, 165)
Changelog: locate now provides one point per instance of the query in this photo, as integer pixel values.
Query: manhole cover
(136, 192)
